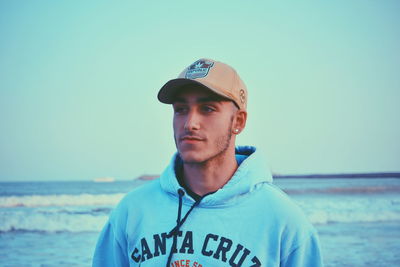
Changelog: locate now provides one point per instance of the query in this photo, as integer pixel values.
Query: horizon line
(274, 175)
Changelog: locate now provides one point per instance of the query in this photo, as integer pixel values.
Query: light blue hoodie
(248, 222)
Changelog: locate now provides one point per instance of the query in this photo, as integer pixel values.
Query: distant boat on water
(148, 177)
(104, 180)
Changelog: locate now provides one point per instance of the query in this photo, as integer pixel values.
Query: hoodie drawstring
(174, 232)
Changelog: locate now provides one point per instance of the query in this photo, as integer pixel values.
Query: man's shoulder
(273, 194)
(143, 190)
(140, 195)
(283, 207)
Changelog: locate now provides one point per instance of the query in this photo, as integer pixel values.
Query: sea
(58, 223)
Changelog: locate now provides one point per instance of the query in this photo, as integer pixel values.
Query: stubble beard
(222, 144)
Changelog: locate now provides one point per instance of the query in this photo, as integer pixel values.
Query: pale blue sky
(78, 83)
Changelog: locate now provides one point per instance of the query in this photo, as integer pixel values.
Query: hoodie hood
(251, 174)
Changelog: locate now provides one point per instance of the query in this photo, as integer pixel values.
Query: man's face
(202, 125)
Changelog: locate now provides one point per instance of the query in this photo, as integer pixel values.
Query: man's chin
(190, 157)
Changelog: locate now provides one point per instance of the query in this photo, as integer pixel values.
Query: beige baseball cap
(213, 75)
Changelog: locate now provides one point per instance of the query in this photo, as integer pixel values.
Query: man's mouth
(191, 139)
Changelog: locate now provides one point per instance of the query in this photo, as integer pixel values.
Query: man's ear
(240, 121)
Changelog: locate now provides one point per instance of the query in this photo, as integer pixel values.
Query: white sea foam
(322, 210)
(59, 200)
(53, 213)
(51, 222)
(86, 212)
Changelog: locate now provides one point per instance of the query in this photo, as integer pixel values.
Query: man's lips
(191, 139)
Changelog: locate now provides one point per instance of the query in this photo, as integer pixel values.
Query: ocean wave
(72, 211)
(347, 210)
(60, 200)
(81, 213)
(324, 217)
(76, 222)
(55, 222)
(346, 190)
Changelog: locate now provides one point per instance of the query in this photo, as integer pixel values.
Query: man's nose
(192, 121)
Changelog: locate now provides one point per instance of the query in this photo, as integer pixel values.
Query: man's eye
(207, 109)
(179, 110)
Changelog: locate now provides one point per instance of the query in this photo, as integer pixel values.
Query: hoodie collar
(252, 172)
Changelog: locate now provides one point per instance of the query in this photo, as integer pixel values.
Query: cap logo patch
(199, 69)
(242, 96)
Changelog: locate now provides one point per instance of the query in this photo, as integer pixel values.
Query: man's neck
(211, 175)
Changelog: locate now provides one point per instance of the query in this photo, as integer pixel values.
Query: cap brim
(168, 92)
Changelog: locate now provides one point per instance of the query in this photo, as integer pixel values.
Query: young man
(215, 204)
